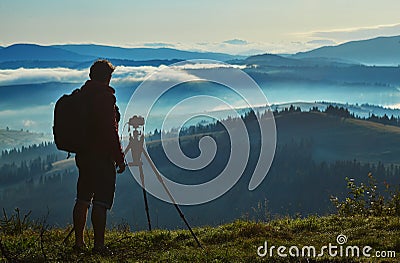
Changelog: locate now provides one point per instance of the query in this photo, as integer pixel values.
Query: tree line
(251, 116)
(26, 170)
(24, 164)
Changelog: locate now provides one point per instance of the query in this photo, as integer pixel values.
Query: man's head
(101, 71)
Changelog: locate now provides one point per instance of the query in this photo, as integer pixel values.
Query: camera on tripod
(136, 121)
(135, 145)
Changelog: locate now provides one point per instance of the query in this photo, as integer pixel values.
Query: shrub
(15, 224)
(367, 200)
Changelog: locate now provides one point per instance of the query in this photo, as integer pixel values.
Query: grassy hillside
(337, 138)
(233, 242)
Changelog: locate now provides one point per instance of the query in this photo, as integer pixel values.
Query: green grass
(234, 242)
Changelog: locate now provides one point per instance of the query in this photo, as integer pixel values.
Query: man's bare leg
(99, 216)
(79, 217)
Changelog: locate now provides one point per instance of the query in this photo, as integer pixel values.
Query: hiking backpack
(70, 122)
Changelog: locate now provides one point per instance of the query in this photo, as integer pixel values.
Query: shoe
(103, 250)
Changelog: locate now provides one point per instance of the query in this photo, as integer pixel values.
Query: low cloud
(239, 47)
(232, 46)
(28, 123)
(324, 42)
(134, 74)
(256, 48)
(236, 42)
(193, 66)
(158, 45)
(41, 75)
(122, 74)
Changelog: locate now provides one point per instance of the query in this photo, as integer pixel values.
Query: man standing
(96, 164)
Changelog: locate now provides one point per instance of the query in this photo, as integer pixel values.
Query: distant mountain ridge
(33, 52)
(377, 51)
(281, 61)
(84, 53)
(142, 53)
(380, 51)
(272, 59)
(83, 64)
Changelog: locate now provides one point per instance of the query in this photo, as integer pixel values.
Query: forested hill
(342, 138)
(334, 133)
(316, 150)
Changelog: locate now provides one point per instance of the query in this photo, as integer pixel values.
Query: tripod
(135, 145)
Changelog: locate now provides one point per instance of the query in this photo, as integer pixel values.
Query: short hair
(101, 70)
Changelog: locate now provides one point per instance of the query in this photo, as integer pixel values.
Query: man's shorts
(96, 182)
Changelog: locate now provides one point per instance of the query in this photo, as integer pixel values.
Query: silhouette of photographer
(96, 164)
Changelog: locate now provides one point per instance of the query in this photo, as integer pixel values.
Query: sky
(236, 27)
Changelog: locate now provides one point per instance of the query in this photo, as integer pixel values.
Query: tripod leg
(153, 167)
(145, 196)
(69, 234)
